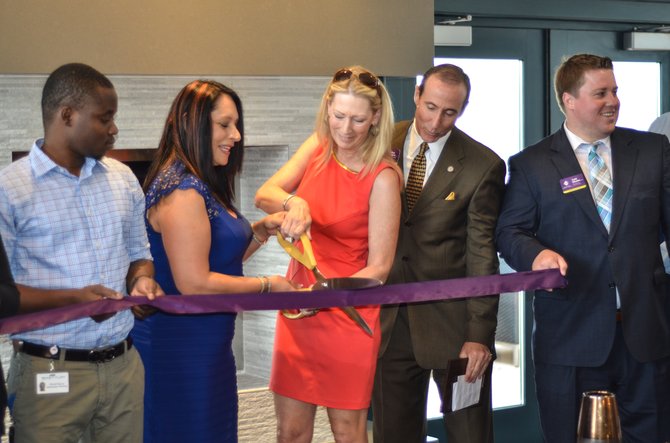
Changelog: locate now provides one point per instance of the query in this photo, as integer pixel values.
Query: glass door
(506, 71)
(537, 53)
(503, 134)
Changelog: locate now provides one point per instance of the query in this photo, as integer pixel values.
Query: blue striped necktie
(601, 181)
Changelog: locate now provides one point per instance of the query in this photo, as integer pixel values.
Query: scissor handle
(306, 256)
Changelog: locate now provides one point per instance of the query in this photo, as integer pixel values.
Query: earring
(374, 130)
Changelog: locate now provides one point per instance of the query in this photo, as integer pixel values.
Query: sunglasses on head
(366, 78)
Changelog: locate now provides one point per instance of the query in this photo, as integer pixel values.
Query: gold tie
(415, 178)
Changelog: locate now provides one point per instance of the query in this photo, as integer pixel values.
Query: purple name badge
(573, 183)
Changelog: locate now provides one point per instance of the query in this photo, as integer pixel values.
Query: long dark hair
(187, 138)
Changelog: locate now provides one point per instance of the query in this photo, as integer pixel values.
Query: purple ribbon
(205, 304)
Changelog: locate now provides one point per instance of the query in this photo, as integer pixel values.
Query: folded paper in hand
(459, 394)
(465, 394)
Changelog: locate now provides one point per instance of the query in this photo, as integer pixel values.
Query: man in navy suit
(591, 200)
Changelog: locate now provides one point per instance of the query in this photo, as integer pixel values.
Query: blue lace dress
(191, 388)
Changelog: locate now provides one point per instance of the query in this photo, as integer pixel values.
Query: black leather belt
(100, 355)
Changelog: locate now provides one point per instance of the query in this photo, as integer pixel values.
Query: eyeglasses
(366, 78)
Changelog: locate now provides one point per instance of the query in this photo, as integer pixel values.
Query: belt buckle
(102, 355)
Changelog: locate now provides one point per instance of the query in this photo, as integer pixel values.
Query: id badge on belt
(52, 382)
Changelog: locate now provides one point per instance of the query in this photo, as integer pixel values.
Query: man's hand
(548, 259)
(479, 357)
(98, 292)
(145, 286)
(143, 311)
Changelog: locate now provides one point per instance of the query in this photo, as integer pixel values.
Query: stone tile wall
(277, 110)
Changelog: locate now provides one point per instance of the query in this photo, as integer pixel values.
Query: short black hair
(448, 73)
(69, 85)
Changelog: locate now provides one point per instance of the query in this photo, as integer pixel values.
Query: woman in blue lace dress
(198, 241)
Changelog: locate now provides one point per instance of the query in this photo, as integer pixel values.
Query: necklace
(345, 167)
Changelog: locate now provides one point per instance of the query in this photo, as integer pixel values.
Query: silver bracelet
(286, 200)
(258, 240)
(264, 282)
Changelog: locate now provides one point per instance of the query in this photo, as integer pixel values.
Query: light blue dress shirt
(63, 231)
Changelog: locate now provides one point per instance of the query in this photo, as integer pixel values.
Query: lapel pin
(450, 169)
(451, 196)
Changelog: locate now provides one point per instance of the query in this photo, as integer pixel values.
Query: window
(494, 118)
(639, 92)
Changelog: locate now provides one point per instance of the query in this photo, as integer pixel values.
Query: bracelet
(258, 240)
(266, 285)
(283, 205)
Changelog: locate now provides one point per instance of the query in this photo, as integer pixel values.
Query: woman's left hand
(271, 223)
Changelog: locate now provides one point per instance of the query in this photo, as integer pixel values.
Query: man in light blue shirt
(9, 305)
(73, 227)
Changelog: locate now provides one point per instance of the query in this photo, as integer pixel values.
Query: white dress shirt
(411, 150)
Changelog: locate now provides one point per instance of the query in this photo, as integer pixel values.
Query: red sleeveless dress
(328, 359)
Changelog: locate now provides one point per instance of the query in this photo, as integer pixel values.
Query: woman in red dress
(343, 188)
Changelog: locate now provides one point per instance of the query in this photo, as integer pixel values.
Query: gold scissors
(307, 259)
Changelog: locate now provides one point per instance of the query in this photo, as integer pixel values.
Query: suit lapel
(624, 158)
(449, 164)
(564, 159)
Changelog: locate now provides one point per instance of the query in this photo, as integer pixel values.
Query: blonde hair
(376, 147)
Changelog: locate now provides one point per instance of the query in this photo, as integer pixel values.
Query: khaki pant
(105, 402)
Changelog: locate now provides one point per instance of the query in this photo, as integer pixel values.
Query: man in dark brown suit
(446, 231)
